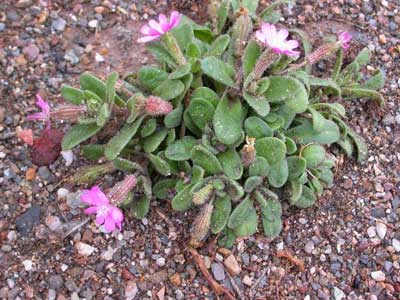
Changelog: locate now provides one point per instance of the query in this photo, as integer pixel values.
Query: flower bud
(203, 195)
(201, 225)
(119, 192)
(155, 106)
(321, 52)
(67, 112)
(243, 27)
(248, 152)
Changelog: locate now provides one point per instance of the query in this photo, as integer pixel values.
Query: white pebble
(84, 249)
(371, 231)
(396, 245)
(68, 156)
(98, 57)
(93, 23)
(62, 193)
(28, 265)
(378, 276)
(160, 261)
(381, 230)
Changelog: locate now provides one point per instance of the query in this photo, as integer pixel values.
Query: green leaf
(149, 127)
(174, 118)
(151, 77)
(376, 82)
(205, 159)
(93, 151)
(127, 165)
(181, 149)
(220, 215)
(206, 94)
(119, 141)
(72, 95)
(249, 226)
(228, 121)
(184, 34)
(331, 86)
(271, 212)
(78, 134)
(110, 87)
(296, 166)
(258, 103)
(354, 93)
(103, 115)
(201, 112)
(306, 44)
(250, 56)
(218, 70)
(317, 119)
(257, 128)
(141, 207)
(227, 238)
(314, 155)
(291, 146)
(347, 145)
(183, 200)
(219, 46)
(288, 90)
(222, 16)
(259, 168)
(231, 164)
(189, 123)
(159, 164)
(278, 173)
(296, 190)
(251, 183)
(170, 89)
(89, 174)
(163, 189)
(273, 6)
(362, 57)
(360, 144)
(240, 213)
(271, 148)
(305, 134)
(152, 142)
(307, 198)
(180, 72)
(335, 108)
(160, 53)
(93, 84)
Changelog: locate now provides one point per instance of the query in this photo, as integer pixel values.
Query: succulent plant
(224, 125)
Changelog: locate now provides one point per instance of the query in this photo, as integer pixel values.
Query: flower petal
(283, 34)
(91, 210)
(175, 19)
(109, 224)
(149, 38)
(44, 106)
(116, 214)
(153, 24)
(292, 44)
(37, 116)
(94, 196)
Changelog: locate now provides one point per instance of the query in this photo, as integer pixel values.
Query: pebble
(371, 231)
(378, 276)
(98, 57)
(247, 280)
(309, 247)
(28, 220)
(131, 290)
(381, 230)
(396, 244)
(160, 261)
(93, 23)
(218, 271)
(53, 222)
(44, 173)
(55, 281)
(62, 193)
(31, 52)
(232, 265)
(28, 265)
(59, 24)
(84, 249)
(68, 156)
(74, 200)
(71, 56)
(2, 27)
(52, 294)
(338, 293)
(75, 296)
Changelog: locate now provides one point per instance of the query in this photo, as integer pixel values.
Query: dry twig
(218, 289)
(293, 259)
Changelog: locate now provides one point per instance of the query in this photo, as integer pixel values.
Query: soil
(349, 242)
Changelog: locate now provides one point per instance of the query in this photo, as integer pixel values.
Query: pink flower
(26, 135)
(44, 106)
(154, 30)
(344, 39)
(106, 213)
(276, 40)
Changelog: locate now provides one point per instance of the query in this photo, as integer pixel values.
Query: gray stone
(218, 271)
(71, 56)
(55, 281)
(2, 26)
(59, 24)
(87, 294)
(388, 266)
(52, 294)
(309, 247)
(338, 293)
(44, 173)
(179, 295)
(378, 212)
(71, 285)
(28, 220)
(31, 52)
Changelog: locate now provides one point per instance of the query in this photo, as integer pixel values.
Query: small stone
(68, 156)
(52, 294)
(381, 230)
(247, 280)
(93, 23)
(84, 249)
(371, 231)
(99, 9)
(74, 200)
(309, 247)
(338, 293)
(62, 193)
(44, 173)
(30, 174)
(75, 296)
(232, 265)
(55, 282)
(2, 26)
(23, 3)
(28, 265)
(71, 56)
(396, 245)
(58, 24)
(131, 290)
(176, 279)
(108, 254)
(160, 261)
(31, 52)
(28, 220)
(98, 57)
(53, 223)
(382, 39)
(218, 271)
(378, 276)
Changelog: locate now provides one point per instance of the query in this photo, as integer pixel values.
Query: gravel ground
(349, 242)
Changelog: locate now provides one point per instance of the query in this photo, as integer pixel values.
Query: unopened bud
(155, 106)
(263, 63)
(201, 226)
(203, 195)
(67, 112)
(90, 173)
(321, 52)
(241, 31)
(119, 192)
(248, 152)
